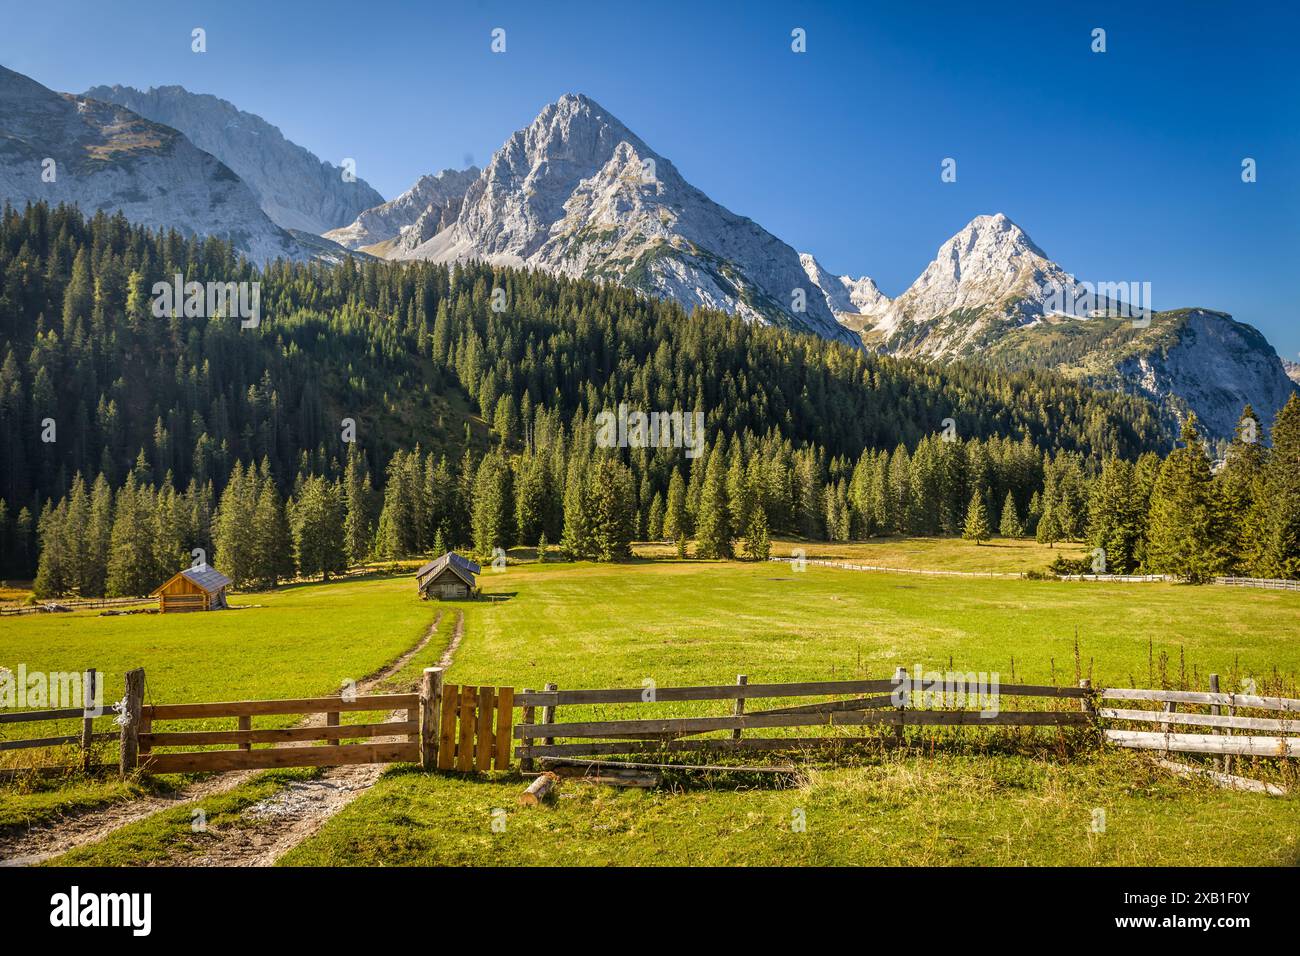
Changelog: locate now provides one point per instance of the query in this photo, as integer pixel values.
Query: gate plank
(447, 726)
(483, 751)
(465, 746)
(505, 718)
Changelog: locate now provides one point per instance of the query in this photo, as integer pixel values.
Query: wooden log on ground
(1226, 780)
(538, 790)
(609, 777)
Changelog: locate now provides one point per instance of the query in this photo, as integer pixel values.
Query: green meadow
(1022, 798)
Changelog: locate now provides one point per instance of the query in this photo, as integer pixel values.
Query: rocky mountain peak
(577, 193)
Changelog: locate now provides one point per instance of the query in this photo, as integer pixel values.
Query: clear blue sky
(1122, 166)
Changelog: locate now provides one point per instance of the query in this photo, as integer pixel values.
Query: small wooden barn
(194, 589)
(448, 578)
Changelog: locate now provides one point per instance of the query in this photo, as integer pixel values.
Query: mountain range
(577, 193)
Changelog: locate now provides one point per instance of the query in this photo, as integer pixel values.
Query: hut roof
(462, 567)
(206, 577)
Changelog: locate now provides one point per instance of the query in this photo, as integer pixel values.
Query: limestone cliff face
(295, 188)
(107, 157)
(417, 215)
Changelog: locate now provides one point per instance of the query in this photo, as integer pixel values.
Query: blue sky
(1122, 166)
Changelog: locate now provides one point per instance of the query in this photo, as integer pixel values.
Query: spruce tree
(1180, 530)
(712, 533)
(318, 541)
(675, 510)
(1277, 519)
(1010, 526)
(977, 521)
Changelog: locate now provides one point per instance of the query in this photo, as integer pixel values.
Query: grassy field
(298, 641)
(585, 626)
(1019, 799)
(1000, 556)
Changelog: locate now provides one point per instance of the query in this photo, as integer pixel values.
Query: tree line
(475, 428)
(1175, 515)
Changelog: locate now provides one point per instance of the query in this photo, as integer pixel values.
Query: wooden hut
(448, 578)
(194, 589)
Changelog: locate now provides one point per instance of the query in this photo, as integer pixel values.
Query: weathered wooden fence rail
(85, 738)
(879, 709)
(468, 728)
(1227, 743)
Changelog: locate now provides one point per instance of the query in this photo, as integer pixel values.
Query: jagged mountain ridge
(107, 157)
(577, 193)
(988, 296)
(294, 187)
(417, 215)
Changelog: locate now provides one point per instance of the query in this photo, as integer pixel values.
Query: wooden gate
(474, 727)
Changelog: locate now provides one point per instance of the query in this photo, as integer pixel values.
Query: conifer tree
(675, 510)
(613, 511)
(977, 521)
(318, 541)
(1010, 526)
(655, 518)
(1116, 516)
(1180, 532)
(712, 533)
(1276, 525)
(577, 540)
(492, 506)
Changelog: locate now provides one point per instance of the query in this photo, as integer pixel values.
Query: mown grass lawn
(298, 641)
(704, 622)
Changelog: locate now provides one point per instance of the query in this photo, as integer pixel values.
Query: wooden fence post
(88, 698)
(430, 710)
(526, 763)
(129, 750)
(548, 714)
(245, 723)
(900, 675)
(1086, 702)
(1221, 762)
(739, 711)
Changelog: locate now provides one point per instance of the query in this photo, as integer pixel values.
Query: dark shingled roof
(463, 568)
(207, 577)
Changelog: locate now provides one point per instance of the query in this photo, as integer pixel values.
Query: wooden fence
(311, 745)
(878, 708)
(85, 738)
(1218, 713)
(1275, 584)
(467, 728)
